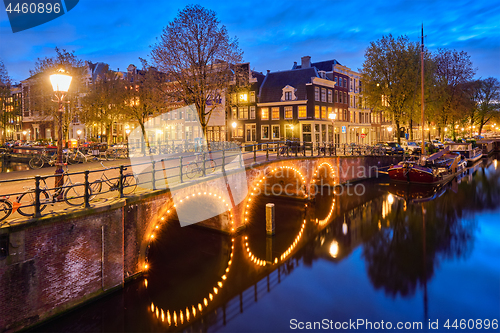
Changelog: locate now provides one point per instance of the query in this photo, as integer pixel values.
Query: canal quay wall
(52, 264)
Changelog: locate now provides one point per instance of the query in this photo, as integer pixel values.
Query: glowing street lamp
(79, 132)
(60, 84)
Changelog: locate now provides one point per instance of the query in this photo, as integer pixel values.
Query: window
(302, 111)
(340, 96)
(276, 132)
(330, 110)
(252, 96)
(316, 94)
(252, 112)
(234, 98)
(264, 113)
(238, 131)
(243, 113)
(345, 118)
(316, 112)
(336, 96)
(243, 97)
(335, 79)
(345, 98)
(329, 96)
(323, 112)
(264, 132)
(250, 134)
(288, 112)
(275, 113)
(306, 132)
(288, 95)
(234, 114)
(345, 83)
(323, 94)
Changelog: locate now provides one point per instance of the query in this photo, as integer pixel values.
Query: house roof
(326, 66)
(271, 88)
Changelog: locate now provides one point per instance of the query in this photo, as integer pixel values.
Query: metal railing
(161, 171)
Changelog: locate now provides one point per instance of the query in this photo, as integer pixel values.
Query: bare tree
(488, 101)
(196, 53)
(452, 71)
(5, 83)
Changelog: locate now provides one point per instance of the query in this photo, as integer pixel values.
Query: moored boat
(472, 155)
(437, 168)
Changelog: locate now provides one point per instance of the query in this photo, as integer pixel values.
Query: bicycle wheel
(96, 186)
(27, 201)
(191, 169)
(36, 162)
(129, 184)
(75, 195)
(5, 209)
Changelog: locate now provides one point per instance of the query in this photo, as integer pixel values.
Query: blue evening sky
(272, 34)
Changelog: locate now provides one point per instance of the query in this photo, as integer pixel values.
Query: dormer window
(288, 94)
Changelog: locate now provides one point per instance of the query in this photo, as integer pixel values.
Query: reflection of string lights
(187, 314)
(327, 218)
(260, 181)
(162, 218)
(260, 262)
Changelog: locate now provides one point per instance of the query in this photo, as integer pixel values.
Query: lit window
(302, 111)
(323, 112)
(243, 113)
(264, 113)
(316, 112)
(276, 132)
(243, 98)
(288, 112)
(275, 113)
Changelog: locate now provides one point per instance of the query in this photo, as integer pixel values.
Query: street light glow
(233, 124)
(60, 81)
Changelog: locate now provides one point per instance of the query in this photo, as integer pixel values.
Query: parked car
(411, 147)
(438, 144)
(396, 148)
(383, 147)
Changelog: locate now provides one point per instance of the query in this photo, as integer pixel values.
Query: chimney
(268, 71)
(306, 62)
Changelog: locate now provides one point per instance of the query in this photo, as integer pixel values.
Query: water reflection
(330, 251)
(7, 166)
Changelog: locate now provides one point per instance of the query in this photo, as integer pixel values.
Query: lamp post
(332, 116)
(60, 84)
(79, 132)
(127, 131)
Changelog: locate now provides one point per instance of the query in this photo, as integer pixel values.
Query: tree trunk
(411, 129)
(398, 132)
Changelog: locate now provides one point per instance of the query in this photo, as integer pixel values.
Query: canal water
(8, 166)
(395, 255)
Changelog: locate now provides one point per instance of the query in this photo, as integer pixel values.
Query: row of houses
(315, 102)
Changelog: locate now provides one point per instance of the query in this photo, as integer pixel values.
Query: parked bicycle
(129, 183)
(38, 161)
(77, 156)
(72, 193)
(7, 208)
(195, 167)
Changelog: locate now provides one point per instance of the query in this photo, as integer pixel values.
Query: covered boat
(434, 169)
(472, 155)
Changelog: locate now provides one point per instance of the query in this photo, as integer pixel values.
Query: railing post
(180, 168)
(224, 161)
(37, 196)
(267, 151)
(344, 149)
(296, 151)
(120, 182)
(240, 158)
(204, 165)
(86, 195)
(255, 153)
(312, 149)
(153, 174)
(278, 150)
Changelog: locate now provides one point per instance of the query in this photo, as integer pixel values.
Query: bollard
(269, 249)
(270, 230)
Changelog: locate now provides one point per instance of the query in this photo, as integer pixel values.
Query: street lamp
(127, 131)
(60, 84)
(333, 116)
(79, 132)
